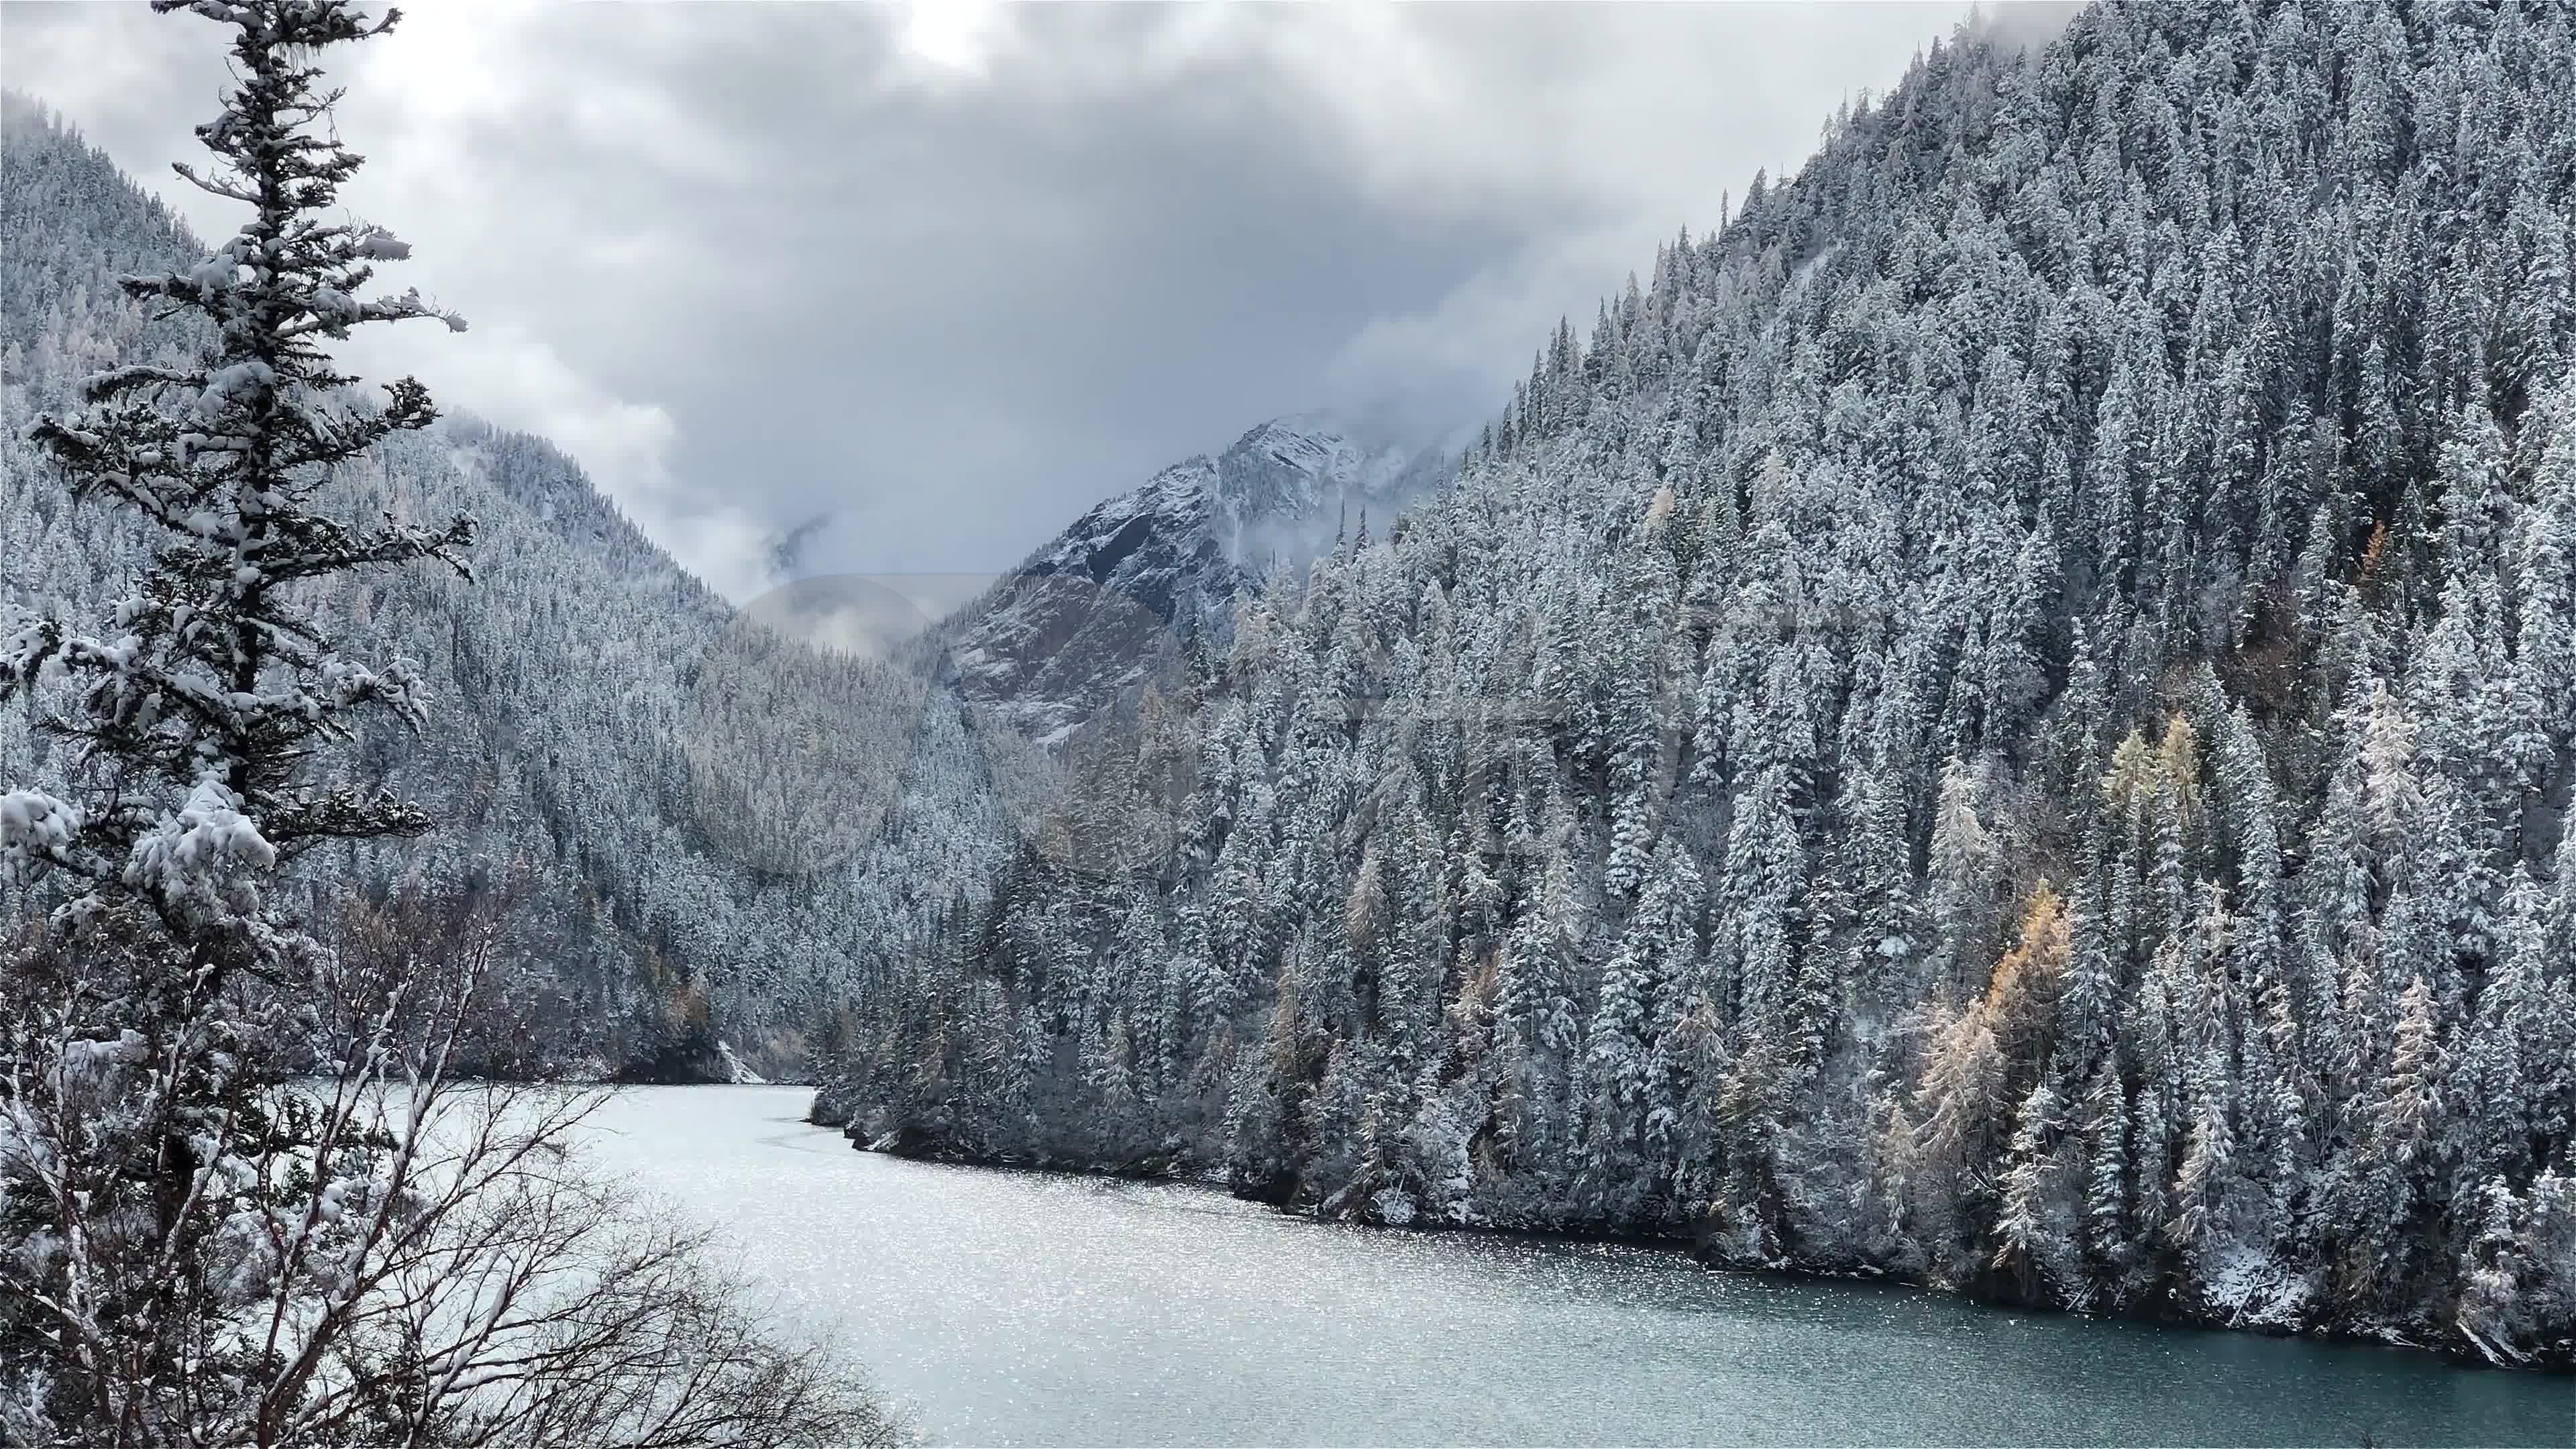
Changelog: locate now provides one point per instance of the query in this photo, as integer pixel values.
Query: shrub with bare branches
(385, 1253)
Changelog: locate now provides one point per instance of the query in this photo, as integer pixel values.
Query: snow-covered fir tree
(198, 727)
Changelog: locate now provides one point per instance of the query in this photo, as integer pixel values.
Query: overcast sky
(952, 273)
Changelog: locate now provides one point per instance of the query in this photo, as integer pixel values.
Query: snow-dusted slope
(2008, 721)
(685, 867)
(1119, 594)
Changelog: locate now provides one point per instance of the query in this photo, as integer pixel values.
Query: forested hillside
(2008, 720)
(704, 825)
(623, 758)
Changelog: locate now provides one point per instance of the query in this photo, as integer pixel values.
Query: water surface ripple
(1028, 1308)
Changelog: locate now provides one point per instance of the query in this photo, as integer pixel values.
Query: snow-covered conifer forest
(2006, 720)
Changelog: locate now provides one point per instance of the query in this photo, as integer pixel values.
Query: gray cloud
(952, 273)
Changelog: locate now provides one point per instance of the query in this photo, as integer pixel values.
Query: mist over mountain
(717, 824)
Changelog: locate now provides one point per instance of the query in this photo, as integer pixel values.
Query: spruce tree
(181, 994)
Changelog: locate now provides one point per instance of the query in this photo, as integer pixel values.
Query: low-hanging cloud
(949, 273)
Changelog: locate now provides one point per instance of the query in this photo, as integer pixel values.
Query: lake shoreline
(1016, 1304)
(1683, 1247)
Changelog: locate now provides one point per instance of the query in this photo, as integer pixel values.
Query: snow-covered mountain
(705, 831)
(2007, 721)
(1123, 591)
(710, 834)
